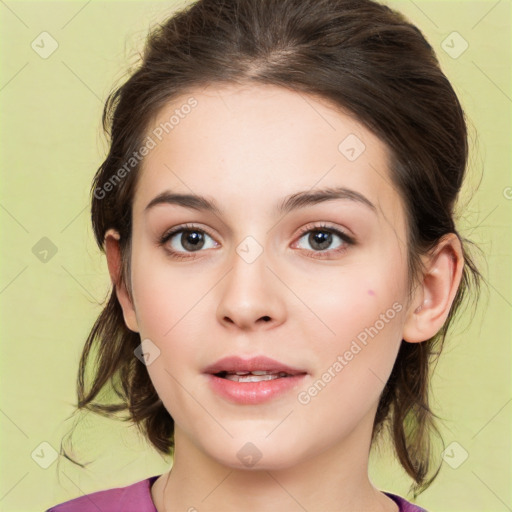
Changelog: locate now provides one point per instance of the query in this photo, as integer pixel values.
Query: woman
(276, 209)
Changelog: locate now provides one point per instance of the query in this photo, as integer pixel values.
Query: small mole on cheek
(371, 292)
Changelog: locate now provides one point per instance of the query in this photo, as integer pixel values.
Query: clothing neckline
(399, 500)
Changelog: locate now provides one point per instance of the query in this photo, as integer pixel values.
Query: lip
(257, 363)
(252, 393)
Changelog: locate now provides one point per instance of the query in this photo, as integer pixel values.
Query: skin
(247, 148)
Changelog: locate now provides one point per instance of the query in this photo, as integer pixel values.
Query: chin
(255, 453)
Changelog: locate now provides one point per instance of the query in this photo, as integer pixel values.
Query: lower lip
(252, 393)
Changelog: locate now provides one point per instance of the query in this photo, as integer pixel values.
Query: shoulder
(136, 497)
(403, 504)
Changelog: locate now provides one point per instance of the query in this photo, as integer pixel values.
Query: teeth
(254, 376)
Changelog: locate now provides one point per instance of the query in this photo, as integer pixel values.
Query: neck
(335, 479)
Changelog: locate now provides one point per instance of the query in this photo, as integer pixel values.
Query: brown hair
(360, 56)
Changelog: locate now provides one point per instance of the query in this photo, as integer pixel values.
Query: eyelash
(323, 228)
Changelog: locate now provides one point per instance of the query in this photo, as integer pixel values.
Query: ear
(436, 291)
(114, 261)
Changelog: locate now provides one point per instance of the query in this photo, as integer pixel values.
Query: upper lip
(233, 364)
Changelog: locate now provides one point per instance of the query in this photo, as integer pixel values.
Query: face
(300, 257)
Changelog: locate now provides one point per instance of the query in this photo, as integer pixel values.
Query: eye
(186, 239)
(325, 239)
(183, 240)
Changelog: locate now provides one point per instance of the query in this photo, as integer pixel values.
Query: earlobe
(435, 293)
(114, 262)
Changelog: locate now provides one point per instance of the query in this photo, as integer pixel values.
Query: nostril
(266, 318)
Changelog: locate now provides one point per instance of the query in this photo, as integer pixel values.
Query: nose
(251, 296)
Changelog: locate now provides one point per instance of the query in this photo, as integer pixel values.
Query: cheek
(165, 297)
(356, 358)
(346, 303)
(168, 305)
(360, 318)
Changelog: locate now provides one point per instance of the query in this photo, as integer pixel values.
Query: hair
(361, 57)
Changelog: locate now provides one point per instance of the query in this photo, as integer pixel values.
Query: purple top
(137, 498)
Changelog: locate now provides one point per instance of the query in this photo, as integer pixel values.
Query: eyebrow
(290, 203)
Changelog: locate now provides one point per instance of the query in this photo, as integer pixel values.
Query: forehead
(249, 146)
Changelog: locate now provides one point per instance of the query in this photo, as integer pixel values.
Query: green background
(52, 144)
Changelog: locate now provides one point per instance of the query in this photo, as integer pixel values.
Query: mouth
(254, 369)
(252, 381)
(255, 376)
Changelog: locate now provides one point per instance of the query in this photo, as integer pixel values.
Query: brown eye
(185, 239)
(191, 240)
(325, 238)
(320, 240)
